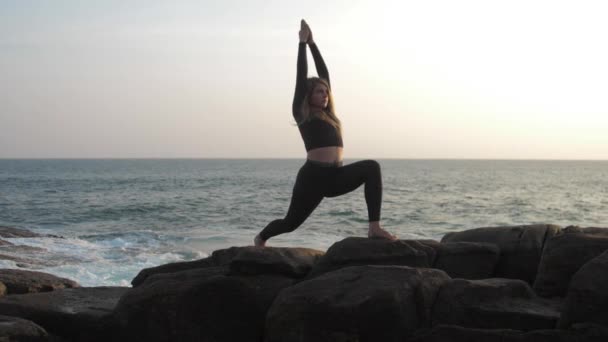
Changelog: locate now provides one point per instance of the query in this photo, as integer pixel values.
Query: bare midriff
(326, 154)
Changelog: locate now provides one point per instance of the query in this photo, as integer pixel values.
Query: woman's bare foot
(258, 242)
(375, 231)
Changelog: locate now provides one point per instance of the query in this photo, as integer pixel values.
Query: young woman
(323, 174)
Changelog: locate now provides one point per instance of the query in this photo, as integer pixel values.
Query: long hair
(328, 113)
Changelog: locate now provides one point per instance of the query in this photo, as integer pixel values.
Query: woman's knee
(373, 165)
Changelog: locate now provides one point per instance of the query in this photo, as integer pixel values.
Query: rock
(20, 281)
(356, 251)
(493, 304)
(2, 289)
(172, 268)
(76, 314)
(590, 332)
(587, 298)
(10, 232)
(562, 257)
(453, 333)
(5, 243)
(17, 329)
(468, 260)
(588, 230)
(293, 262)
(520, 247)
(198, 305)
(229, 308)
(358, 303)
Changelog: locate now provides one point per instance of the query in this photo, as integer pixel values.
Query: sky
(215, 79)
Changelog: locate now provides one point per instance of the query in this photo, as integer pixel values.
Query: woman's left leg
(349, 177)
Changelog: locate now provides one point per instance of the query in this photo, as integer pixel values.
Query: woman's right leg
(306, 196)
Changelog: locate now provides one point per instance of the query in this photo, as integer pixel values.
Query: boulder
(75, 314)
(520, 247)
(17, 329)
(468, 260)
(587, 298)
(562, 257)
(293, 262)
(453, 333)
(11, 232)
(587, 230)
(358, 303)
(356, 251)
(20, 281)
(203, 304)
(493, 304)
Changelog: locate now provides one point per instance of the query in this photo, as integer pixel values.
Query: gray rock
(5, 243)
(452, 333)
(76, 314)
(10, 232)
(17, 329)
(468, 260)
(355, 251)
(493, 304)
(293, 262)
(520, 247)
(201, 304)
(172, 268)
(20, 281)
(562, 257)
(358, 303)
(587, 299)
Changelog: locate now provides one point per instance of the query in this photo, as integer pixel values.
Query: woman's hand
(305, 34)
(310, 41)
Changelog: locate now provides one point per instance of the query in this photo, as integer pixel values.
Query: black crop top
(316, 132)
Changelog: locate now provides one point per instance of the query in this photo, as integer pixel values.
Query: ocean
(114, 217)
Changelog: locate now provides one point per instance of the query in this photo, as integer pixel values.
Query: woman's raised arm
(316, 55)
(302, 73)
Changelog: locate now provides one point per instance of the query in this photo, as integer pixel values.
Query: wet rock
(562, 257)
(520, 247)
(493, 304)
(587, 299)
(355, 251)
(20, 281)
(81, 314)
(358, 303)
(10, 232)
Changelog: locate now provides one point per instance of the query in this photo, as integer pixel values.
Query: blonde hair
(327, 114)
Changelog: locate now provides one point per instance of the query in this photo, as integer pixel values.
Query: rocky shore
(496, 284)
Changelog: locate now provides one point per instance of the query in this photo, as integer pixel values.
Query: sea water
(114, 217)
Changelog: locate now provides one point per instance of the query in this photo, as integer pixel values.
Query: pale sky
(215, 79)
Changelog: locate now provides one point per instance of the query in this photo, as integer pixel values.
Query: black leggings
(316, 181)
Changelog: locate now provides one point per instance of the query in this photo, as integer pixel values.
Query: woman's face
(320, 96)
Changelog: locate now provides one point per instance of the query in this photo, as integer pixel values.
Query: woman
(323, 174)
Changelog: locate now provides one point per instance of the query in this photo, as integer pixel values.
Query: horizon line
(288, 158)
